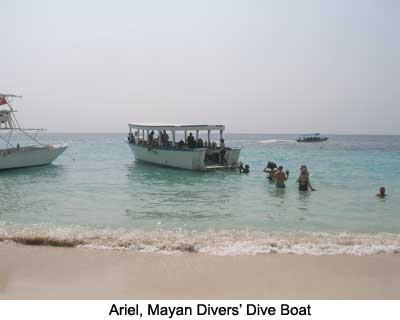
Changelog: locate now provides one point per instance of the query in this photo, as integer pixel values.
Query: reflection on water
(29, 190)
(167, 193)
(31, 173)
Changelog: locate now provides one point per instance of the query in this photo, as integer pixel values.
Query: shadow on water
(165, 193)
(304, 200)
(148, 173)
(40, 172)
(22, 187)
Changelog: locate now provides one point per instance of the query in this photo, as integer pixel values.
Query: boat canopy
(310, 134)
(6, 95)
(176, 127)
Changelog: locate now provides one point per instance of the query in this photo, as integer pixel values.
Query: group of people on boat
(190, 142)
(219, 156)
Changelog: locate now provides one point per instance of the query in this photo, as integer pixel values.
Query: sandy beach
(38, 272)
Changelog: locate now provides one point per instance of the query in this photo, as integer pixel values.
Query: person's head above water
(280, 168)
(382, 191)
(271, 165)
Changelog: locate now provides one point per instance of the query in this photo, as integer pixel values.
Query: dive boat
(190, 152)
(315, 137)
(16, 156)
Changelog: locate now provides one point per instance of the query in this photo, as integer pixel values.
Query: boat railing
(8, 151)
(178, 145)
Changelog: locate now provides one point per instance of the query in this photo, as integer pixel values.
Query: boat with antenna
(14, 155)
(185, 149)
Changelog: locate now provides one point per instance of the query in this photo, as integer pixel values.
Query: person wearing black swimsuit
(304, 180)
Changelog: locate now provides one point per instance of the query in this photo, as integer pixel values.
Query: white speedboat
(16, 156)
(156, 143)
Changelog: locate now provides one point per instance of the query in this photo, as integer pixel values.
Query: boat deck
(215, 167)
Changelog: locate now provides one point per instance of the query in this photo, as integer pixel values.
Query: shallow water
(104, 198)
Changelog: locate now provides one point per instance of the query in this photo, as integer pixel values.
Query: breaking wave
(226, 242)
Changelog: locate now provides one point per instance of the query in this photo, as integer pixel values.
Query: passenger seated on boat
(164, 138)
(131, 139)
(200, 143)
(222, 152)
(213, 145)
(151, 137)
(191, 142)
(181, 143)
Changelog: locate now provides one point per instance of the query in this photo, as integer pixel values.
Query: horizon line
(269, 133)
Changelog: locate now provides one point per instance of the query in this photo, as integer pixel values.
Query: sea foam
(222, 242)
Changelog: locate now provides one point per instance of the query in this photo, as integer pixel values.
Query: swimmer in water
(271, 169)
(280, 178)
(244, 169)
(381, 193)
(304, 180)
(304, 167)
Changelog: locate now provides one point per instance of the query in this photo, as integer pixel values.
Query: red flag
(3, 100)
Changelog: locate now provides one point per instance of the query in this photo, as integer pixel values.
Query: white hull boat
(16, 156)
(190, 153)
(30, 156)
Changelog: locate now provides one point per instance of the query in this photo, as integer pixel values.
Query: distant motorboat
(16, 156)
(315, 137)
(189, 153)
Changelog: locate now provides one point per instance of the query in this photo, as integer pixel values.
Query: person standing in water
(304, 180)
(381, 193)
(271, 169)
(280, 178)
(244, 169)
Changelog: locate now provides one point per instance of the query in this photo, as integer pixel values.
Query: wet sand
(39, 272)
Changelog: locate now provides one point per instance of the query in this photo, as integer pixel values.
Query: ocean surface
(97, 196)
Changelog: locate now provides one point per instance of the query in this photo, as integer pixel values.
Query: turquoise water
(104, 198)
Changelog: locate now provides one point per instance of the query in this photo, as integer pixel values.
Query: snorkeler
(381, 193)
(304, 180)
(280, 178)
(244, 169)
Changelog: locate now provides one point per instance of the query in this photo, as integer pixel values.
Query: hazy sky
(256, 66)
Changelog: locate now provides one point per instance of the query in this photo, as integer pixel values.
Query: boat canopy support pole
(185, 136)
(209, 137)
(173, 138)
(7, 141)
(221, 136)
(197, 135)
